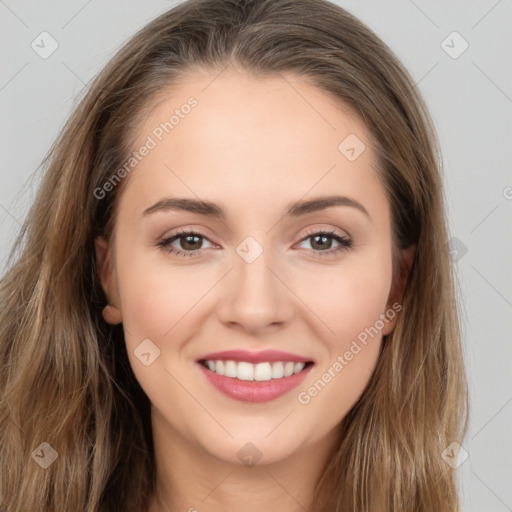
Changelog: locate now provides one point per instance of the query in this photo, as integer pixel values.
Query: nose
(255, 298)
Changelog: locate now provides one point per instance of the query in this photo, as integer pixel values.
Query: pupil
(188, 241)
(323, 238)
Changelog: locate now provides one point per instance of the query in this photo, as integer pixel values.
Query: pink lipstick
(254, 376)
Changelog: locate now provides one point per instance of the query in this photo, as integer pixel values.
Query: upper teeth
(248, 371)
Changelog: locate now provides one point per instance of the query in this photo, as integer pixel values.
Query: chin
(251, 449)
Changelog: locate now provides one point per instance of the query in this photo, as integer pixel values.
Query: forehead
(235, 104)
(275, 137)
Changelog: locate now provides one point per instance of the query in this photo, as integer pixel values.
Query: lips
(254, 376)
(254, 357)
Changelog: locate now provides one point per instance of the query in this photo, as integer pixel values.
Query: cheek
(350, 304)
(349, 298)
(154, 295)
(156, 298)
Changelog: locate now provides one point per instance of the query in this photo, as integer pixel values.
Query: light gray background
(470, 99)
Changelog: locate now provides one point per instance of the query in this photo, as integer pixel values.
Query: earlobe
(111, 312)
(395, 297)
(112, 315)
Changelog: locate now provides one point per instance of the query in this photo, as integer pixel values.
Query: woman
(233, 289)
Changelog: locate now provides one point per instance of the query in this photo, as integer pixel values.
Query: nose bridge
(254, 281)
(255, 297)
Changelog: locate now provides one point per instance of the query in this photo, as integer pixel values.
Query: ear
(397, 289)
(106, 274)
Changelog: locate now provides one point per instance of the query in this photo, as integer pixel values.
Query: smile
(244, 370)
(254, 377)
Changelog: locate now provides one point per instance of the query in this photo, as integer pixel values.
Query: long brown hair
(65, 378)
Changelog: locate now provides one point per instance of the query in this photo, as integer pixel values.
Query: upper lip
(254, 357)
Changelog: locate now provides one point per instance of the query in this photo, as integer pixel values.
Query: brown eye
(321, 242)
(190, 242)
(184, 243)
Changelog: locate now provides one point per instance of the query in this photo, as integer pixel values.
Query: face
(249, 319)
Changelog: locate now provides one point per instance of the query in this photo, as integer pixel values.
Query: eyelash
(345, 243)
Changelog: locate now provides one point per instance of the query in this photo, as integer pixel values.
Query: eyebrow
(294, 209)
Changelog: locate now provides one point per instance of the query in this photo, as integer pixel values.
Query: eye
(321, 242)
(189, 243)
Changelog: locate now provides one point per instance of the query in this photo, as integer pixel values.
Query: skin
(252, 145)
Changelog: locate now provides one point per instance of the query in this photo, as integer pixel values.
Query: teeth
(244, 371)
(230, 369)
(277, 370)
(262, 371)
(288, 369)
(259, 372)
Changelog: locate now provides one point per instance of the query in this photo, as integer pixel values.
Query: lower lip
(254, 391)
